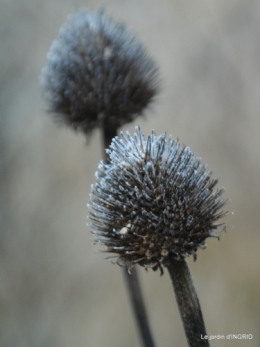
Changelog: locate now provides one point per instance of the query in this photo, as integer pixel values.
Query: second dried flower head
(97, 73)
(154, 200)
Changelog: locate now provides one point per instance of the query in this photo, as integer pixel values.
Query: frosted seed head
(164, 204)
(97, 74)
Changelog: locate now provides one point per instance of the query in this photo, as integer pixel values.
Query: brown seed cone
(154, 199)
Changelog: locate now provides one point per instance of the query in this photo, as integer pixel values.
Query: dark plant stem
(188, 303)
(135, 293)
(132, 280)
(108, 134)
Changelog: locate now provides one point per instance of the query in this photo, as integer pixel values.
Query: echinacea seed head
(97, 74)
(154, 200)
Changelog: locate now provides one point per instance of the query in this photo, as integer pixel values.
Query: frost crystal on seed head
(154, 200)
(97, 73)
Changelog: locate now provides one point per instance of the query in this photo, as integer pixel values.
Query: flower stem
(188, 303)
(108, 134)
(132, 280)
(135, 293)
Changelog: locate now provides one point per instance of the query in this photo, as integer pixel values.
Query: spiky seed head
(97, 73)
(153, 200)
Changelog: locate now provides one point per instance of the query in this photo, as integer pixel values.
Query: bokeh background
(54, 290)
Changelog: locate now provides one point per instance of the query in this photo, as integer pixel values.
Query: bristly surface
(153, 200)
(97, 73)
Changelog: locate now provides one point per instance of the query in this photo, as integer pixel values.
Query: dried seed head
(153, 200)
(97, 74)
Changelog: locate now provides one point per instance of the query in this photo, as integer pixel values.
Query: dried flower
(153, 200)
(97, 73)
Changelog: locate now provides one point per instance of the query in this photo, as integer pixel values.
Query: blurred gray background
(54, 290)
